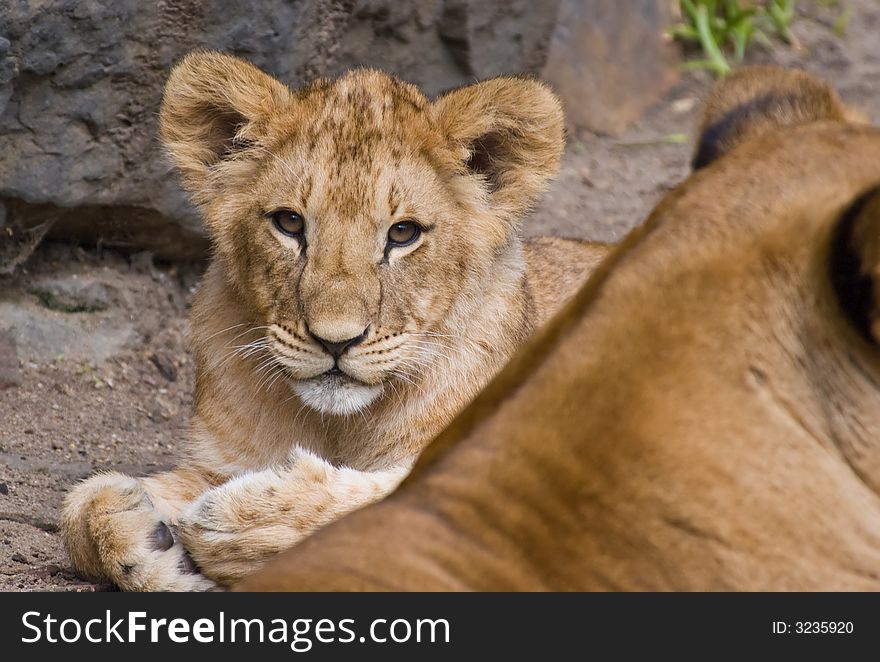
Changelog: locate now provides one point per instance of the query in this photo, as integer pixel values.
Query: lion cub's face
(355, 216)
(353, 247)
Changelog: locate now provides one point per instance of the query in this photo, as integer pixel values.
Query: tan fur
(279, 447)
(704, 415)
(762, 99)
(558, 268)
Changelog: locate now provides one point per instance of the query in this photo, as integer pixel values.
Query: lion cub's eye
(403, 233)
(288, 222)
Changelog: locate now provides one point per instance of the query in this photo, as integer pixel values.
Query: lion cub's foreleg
(234, 528)
(120, 528)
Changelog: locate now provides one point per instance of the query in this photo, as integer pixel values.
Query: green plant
(716, 24)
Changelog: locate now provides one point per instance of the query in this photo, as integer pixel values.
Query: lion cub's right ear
(214, 104)
(761, 99)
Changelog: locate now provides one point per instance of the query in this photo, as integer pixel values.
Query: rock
(10, 373)
(509, 36)
(76, 293)
(46, 571)
(437, 44)
(402, 37)
(17, 242)
(42, 334)
(586, 175)
(4, 489)
(68, 470)
(165, 366)
(684, 105)
(20, 558)
(609, 61)
(163, 409)
(142, 263)
(82, 84)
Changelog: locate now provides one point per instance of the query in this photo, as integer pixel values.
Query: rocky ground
(94, 368)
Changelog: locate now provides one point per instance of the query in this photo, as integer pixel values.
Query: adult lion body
(722, 430)
(368, 280)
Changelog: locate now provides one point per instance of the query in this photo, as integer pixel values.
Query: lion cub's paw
(233, 529)
(112, 531)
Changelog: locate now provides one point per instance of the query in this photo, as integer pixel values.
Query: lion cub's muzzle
(341, 372)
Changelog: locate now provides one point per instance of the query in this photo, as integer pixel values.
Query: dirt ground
(100, 375)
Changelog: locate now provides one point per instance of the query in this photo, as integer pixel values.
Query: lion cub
(368, 280)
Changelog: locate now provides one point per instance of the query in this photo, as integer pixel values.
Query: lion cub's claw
(162, 538)
(187, 565)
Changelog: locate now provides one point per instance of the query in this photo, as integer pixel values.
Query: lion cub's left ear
(509, 132)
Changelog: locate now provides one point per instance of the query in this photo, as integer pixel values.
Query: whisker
(298, 411)
(433, 334)
(234, 338)
(242, 352)
(410, 379)
(228, 328)
(270, 372)
(280, 372)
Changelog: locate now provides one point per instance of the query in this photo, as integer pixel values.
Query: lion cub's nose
(337, 348)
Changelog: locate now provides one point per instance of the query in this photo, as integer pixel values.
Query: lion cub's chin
(333, 394)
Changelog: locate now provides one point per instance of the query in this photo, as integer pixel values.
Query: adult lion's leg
(120, 528)
(233, 529)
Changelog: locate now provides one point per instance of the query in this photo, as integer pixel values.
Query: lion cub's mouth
(336, 392)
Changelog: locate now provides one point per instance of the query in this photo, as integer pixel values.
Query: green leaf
(707, 41)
